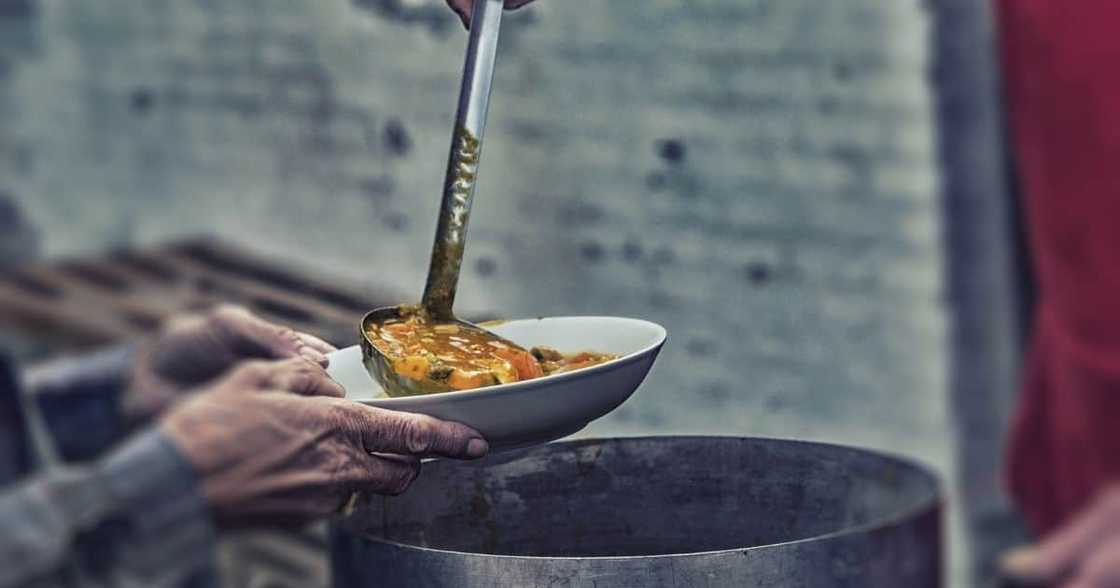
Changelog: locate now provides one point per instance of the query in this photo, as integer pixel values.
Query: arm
(83, 405)
(272, 443)
(139, 504)
(76, 402)
(136, 516)
(133, 517)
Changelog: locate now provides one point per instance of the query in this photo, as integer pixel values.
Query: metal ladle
(458, 193)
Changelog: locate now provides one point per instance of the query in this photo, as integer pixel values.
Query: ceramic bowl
(534, 411)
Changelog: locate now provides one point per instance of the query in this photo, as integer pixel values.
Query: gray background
(764, 177)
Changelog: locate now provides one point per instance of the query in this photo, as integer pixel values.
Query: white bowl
(534, 411)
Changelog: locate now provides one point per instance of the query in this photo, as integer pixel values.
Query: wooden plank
(61, 320)
(298, 310)
(230, 259)
(81, 303)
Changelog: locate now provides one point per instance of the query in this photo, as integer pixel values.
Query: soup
(463, 357)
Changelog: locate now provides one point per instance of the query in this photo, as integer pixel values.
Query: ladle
(458, 193)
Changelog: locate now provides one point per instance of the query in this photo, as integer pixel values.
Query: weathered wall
(758, 175)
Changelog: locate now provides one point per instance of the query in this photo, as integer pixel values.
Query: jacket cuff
(156, 494)
(79, 401)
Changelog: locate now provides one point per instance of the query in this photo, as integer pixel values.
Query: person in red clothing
(1062, 87)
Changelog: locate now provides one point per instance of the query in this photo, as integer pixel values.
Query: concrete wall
(760, 176)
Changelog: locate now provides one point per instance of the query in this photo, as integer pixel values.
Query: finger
(1085, 581)
(463, 9)
(251, 336)
(384, 474)
(379, 430)
(368, 480)
(409, 461)
(1101, 569)
(305, 378)
(1063, 551)
(316, 343)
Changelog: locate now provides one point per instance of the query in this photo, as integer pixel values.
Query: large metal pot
(657, 511)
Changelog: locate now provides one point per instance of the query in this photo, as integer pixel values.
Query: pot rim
(932, 503)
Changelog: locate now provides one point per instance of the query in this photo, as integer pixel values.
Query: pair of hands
(273, 442)
(1083, 554)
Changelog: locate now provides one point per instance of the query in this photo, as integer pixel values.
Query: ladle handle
(462, 163)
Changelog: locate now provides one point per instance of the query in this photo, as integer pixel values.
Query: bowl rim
(506, 389)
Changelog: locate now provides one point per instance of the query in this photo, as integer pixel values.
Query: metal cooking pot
(656, 511)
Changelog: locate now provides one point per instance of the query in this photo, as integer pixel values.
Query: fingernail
(1019, 563)
(477, 448)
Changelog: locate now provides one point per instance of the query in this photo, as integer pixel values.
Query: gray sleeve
(76, 402)
(134, 518)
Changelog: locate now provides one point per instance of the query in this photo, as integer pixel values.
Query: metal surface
(455, 208)
(381, 367)
(462, 162)
(658, 511)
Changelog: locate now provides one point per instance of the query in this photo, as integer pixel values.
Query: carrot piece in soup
(526, 365)
(466, 380)
(412, 366)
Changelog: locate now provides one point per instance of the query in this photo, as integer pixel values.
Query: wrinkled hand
(274, 444)
(463, 8)
(195, 349)
(1083, 554)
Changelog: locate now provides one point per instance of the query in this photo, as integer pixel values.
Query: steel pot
(657, 511)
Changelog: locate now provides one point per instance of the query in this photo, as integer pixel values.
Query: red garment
(1061, 61)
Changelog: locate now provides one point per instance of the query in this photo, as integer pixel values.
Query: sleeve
(78, 401)
(134, 518)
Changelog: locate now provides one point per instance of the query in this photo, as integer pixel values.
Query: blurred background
(811, 196)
